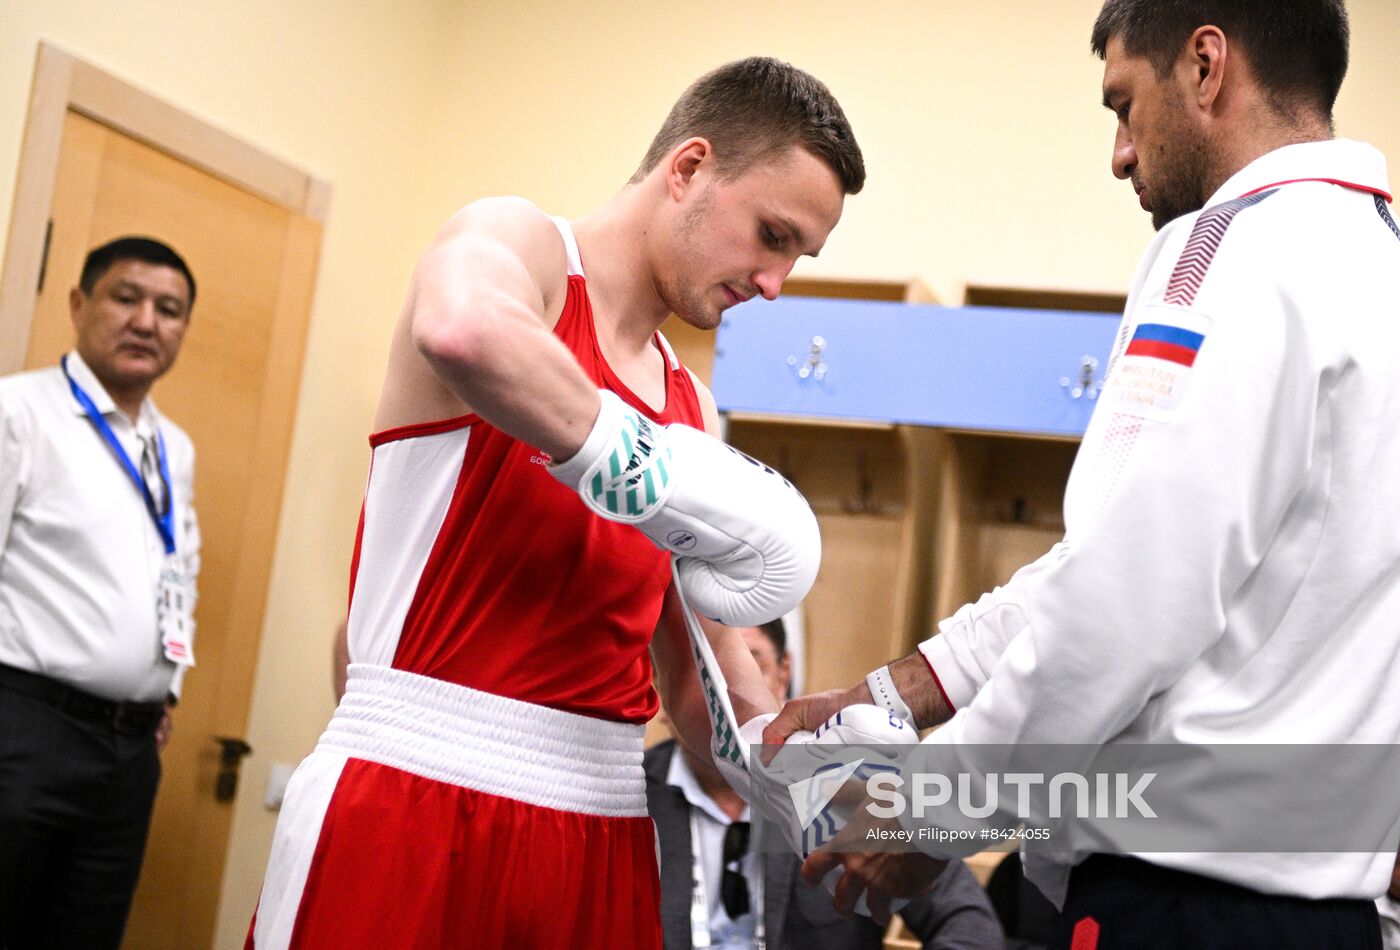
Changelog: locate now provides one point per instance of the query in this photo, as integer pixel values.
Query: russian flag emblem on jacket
(1173, 344)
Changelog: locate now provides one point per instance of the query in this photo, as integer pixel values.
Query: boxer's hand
(164, 728)
(746, 542)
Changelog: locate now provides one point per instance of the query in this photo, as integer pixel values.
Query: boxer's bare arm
(675, 664)
(677, 679)
(679, 682)
(475, 334)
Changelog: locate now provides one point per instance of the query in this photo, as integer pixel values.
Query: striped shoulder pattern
(1384, 212)
(1209, 231)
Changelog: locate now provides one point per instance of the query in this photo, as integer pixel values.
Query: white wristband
(884, 694)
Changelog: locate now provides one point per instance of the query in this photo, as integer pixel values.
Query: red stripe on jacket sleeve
(939, 683)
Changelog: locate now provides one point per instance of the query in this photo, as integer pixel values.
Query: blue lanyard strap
(165, 523)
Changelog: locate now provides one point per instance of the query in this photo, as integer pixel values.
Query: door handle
(231, 753)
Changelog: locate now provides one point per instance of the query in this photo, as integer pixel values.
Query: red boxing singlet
(488, 749)
(475, 566)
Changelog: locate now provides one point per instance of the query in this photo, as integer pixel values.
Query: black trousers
(76, 794)
(1135, 905)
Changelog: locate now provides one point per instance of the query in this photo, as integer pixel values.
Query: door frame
(63, 82)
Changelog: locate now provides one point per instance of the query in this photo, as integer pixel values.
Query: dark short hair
(100, 260)
(1297, 49)
(777, 635)
(757, 107)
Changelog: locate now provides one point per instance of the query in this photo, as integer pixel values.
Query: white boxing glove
(807, 755)
(746, 541)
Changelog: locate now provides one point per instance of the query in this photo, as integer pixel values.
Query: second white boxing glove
(746, 541)
(804, 758)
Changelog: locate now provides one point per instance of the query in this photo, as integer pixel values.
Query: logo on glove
(680, 540)
(632, 479)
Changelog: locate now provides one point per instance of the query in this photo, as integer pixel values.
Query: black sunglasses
(733, 888)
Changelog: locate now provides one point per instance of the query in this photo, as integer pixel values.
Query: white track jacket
(1230, 571)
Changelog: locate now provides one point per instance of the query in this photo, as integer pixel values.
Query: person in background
(717, 892)
(99, 552)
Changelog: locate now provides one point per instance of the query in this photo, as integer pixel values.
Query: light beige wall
(987, 148)
(975, 133)
(1366, 108)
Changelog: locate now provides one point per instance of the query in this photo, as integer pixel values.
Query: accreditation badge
(175, 599)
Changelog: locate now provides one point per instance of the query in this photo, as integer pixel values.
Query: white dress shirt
(1230, 571)
(81, 558)
(711, 823)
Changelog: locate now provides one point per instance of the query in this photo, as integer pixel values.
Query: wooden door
(234, 390)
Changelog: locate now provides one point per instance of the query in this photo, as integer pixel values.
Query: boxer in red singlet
(481, 783)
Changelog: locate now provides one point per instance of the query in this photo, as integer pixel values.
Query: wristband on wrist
(882, 690)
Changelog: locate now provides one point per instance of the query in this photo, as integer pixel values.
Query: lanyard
(700, 899)
(165, 523)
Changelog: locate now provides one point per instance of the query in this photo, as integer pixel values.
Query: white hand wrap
(882, 690)
(878, 733)
(750, 736)
(770, 793)
(746, 541)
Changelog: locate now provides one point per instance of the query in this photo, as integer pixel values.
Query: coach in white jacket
(1230, 571)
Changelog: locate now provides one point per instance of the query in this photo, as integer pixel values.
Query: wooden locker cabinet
(873, 492)
(1005, 492)
(978, 368)
(933, 443)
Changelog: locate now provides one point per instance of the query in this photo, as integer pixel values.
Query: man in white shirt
(1230, 571)
(99, 550)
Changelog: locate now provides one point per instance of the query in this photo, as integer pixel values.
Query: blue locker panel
(969, 367)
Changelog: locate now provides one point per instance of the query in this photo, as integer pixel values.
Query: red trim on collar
(1331, 181)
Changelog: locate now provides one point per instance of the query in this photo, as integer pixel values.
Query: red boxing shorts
(432, 815)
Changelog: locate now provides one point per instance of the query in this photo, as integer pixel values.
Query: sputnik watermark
(945, 835)
(1114, 796)
(1121, 799)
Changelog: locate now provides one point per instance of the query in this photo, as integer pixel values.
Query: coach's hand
(880, 877)
(806, 713)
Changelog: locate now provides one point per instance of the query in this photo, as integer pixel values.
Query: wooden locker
(933, 442)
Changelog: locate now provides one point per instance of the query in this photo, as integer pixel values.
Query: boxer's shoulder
(496, 227)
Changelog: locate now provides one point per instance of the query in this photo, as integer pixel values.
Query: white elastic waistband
(489, 743)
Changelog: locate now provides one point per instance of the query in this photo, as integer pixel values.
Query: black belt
(130, 718)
